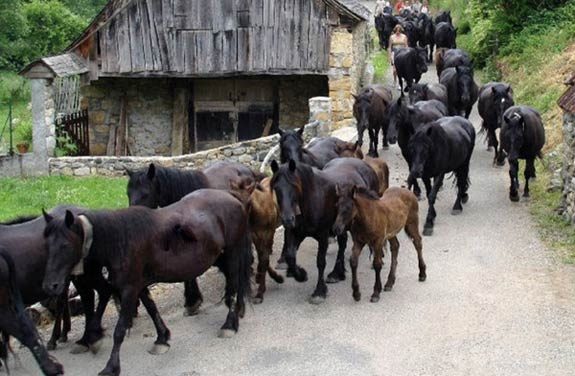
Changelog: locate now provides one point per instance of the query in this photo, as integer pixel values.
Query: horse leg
(22, 328)
(320, 292)
(338, 272)
(412, 230)
(529, 173)
(462, 176)
(127, 307)
(513, 170)
(66, 319)
(353, 261)
(57, 329)
(372, 143)
(384, 142)
(427, 184)
(161, 345)
(87, 297)
(193, 297)
(431, 214)
(375, 140)
(290, 247)
(263, 241)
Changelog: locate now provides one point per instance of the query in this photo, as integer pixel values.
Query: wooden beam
(180, 119)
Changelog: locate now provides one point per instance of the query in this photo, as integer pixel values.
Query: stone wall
(149, 109)
(568, 170)
(348, 57)
(294, 93)
(251, 153)
(21, 165)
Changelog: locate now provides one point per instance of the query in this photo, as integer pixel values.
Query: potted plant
(23, 137)
(23, 147)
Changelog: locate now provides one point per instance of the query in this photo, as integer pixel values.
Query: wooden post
(122, 129)
(180, 119)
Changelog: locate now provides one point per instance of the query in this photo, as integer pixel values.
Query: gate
(74, 128)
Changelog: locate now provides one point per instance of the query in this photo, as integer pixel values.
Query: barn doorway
(232, 110)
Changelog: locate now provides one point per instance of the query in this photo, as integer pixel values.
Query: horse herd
(180, 223)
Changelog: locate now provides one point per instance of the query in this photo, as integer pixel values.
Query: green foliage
(23, 133)
(65, 146)
(380, 65)
(13, 88)
(29, 196)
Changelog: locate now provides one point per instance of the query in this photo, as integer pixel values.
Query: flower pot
(22, 148)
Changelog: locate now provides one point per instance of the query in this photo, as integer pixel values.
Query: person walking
(416, 6)
(397, 40)
(424, 7)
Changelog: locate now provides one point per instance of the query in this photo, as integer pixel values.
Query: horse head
(67, 239)
(417, 93)
(291, 145)
(345, 208)
(397, 116)
(143, 187)
(420, 147)
(288, 188)
(421, 59)
(465, 82)
(503, 99)
(515, 133)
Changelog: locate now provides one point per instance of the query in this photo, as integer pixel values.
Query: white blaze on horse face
(503, 100)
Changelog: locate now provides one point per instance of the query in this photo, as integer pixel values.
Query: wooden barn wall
(215, 37)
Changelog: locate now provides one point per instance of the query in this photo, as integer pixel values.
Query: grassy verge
(380, 65)
(16, 89)
(28, 196)
(558, 234)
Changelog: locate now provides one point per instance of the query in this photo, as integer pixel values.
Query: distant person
(416, 6)
(424, 7)
(397, 40)
(380, 6)
(399, 6)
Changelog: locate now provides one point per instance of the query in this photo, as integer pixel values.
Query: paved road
(495, 303)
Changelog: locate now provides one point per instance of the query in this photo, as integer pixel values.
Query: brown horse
(377, 164)
(141, 246)
(374, 221)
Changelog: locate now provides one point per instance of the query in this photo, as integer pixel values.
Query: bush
(13, 88)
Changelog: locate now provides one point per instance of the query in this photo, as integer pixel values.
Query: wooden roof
(64, 65)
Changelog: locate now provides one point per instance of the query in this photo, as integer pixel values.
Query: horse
(141, 246)
(384, 24)
(410, 64)
(379, 166)
(319, 151)
(462, 91)
(437, 148)
(14, 321)
(445, 35)
(162, 186)
(451, 58)
(522, 137)
(374, 221)
(26, 245)
(369, 110)
(425, 92)
(307, 204)
(494, 99)
(412, 31)
(444, 16)
(404, 120)
(427, 39)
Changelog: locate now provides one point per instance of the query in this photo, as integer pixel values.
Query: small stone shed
(171, 77)
(567, 104)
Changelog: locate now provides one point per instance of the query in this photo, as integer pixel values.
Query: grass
(380, 62)
(557, 233)
(21, 197)
(16, 89)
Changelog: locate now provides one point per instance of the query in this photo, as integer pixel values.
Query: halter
(87, 243)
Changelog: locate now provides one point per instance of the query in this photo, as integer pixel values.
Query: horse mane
(367, 193)
(19, 220)
(174, 184)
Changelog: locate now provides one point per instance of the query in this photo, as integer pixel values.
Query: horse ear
(354, 96)
(508, 89)
(353, 191)
(151, 171)
(47, 217)
(281, 132)
(506, 119)
(429, 131)
(275, 166)
(69, 219)
(292, 165)
(493, 91)
(300, 131)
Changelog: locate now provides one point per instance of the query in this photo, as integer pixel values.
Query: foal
(373, 221)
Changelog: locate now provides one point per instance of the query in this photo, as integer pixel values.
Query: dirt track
(495, 303)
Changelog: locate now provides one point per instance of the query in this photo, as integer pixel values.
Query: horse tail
(15, 294)
(246, 259)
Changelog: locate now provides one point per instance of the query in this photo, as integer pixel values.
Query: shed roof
(64, 65)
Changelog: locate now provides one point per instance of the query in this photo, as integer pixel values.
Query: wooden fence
(74, 127)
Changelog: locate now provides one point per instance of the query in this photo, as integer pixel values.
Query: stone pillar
(341, 86)
(320, 110)
(44, 139)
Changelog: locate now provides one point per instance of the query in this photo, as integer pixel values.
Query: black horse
(141, 246)
(452, 58)
(425, 92)
(445, 35)
(308, 208)
(384, 24)
(522, 137)
(427, 34)
(462, 91)
(444, 16)
(404, 120)
(369, 110)
(318, 153)
(436, 149)
(494, 99)
(410, 64)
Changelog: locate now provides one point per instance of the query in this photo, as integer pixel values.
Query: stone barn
(171, 77)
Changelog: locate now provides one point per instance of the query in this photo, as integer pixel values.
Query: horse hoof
(514, 198)
(300, 276)
(51, 346)
(277, 278)
(257, 300)
(422, 278)
(427, 231)
(500, 163)
(465, 199)
(387, 288)
(193, 309)
(159, 349)
(96, 346)
(281, 265)
(386, 147)
(109, 373)
(456, 211)
(226, 333)
(374, 299)
(316, 300)
(335, 278)
(357, 296)
(79, 349)
(63, 339)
